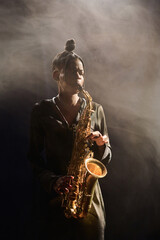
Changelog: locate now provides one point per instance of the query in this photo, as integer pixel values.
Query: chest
(59, 122)
(71, 116)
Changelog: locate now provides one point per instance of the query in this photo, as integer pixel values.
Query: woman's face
(72, 76)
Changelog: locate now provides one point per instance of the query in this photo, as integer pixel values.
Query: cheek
(62, 81)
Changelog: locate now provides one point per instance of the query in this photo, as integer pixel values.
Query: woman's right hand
(63, 184)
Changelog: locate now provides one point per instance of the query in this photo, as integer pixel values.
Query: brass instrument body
(94, 170)
(85, 169)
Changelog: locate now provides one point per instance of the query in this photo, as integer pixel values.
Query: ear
(56, 75)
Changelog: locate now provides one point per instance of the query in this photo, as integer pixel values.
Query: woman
(53, 127)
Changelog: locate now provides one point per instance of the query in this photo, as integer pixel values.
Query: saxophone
(85, 169)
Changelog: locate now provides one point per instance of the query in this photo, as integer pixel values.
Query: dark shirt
(51, 144)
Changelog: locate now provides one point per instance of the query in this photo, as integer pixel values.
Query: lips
(77, 81)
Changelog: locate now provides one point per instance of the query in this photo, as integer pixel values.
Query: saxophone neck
(86, 95)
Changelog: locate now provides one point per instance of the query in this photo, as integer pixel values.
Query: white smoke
(119, 43)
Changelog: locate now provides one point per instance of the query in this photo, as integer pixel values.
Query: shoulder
(42, 106)
(97, 106)
(98, 111)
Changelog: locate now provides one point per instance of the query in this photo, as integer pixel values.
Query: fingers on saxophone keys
(105, 139)
(64, 184)
(94, 135)
(68, 178)
(63, 190)
(66, 190)
(59, 191)
(67, 185)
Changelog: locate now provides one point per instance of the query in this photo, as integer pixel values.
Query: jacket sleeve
(36, 152)
(103, 153)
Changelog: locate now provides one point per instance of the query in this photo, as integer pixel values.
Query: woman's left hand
(98, 138)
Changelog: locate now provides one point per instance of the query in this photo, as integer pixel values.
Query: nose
(77, 74)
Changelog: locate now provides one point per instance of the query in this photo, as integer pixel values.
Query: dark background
(119, 43)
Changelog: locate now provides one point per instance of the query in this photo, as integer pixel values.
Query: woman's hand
(98, 138)
(63, 184)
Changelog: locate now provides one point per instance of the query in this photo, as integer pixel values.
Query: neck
(68, 99)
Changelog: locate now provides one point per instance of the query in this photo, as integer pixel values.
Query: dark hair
(61, 59)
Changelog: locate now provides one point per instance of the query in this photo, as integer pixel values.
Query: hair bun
(70, 45)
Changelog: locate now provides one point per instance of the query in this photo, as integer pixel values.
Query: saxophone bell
(95, 169)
